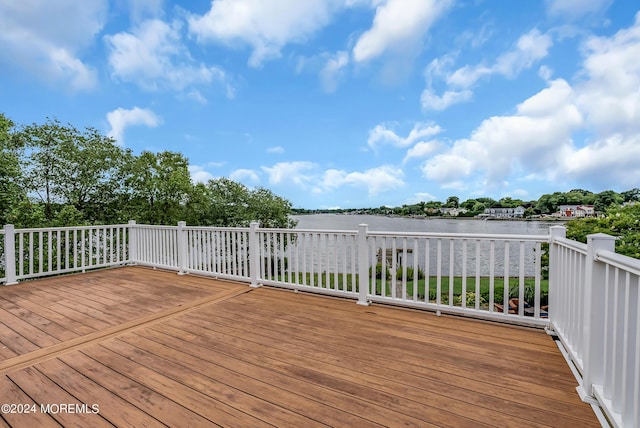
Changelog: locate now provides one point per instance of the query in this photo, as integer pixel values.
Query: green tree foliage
(159, 185)
(56, 175)
(10, 191)
(632, 195)
(223, 202)
(508, 202)
(622, 222)
(606, 199)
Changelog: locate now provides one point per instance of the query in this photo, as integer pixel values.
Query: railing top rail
(621, 261)
(219, 228)
(574, 245)
(320, 231)
(151, 226)
(467, 236)
(63, 228)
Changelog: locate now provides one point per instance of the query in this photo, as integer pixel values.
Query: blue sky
(344, 103)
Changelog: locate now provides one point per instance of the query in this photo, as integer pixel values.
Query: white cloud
(197, 96)
(153, 56)
(431, 101)
(120, 119)
(333, 69)
(276, 149)
(199, 175)
(453, 165)
(308, 176)
(536, 138)
(299, 173)
(422, 150)
(144, 9)
(265, 25)
(575, 9)
(530, 48)
(538, 142)
(45, 38)
(398, 24)
(545, 72)
(421, 197)
(381, 134)
(467, 76)
(609, 161)
(610, 93)
(244, 175)
(375, 180)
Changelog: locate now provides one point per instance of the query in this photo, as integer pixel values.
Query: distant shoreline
(435, 217)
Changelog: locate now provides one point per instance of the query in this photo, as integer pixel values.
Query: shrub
(410, 273)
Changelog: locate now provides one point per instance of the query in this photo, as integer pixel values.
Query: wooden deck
(145, 347)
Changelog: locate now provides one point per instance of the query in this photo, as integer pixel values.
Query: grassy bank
(341, 282)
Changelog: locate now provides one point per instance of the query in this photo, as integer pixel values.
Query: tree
(269, 209)
(479, 207)
(632, 195)
(224, 202)
(64, 166)
(159, 185)
(607, 199)
(11, 193)
(623, 222)
(452, 202)
(488, 202)
(91, 167)
(42, 168)
(507, 202)
(548, 203)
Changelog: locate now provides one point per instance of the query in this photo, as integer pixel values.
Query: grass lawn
(344, 282)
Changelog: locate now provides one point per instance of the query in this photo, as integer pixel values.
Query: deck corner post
(133, 243)
(594, 314)
(254, 254)
(9, 255)
(182, 248)
(363, 266)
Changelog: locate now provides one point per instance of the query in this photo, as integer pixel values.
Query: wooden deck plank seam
(43, 354)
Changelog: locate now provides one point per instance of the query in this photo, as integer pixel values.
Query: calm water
(487, 257)
(436, 225)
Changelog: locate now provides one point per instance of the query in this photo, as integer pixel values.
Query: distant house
(576, 211)
(454, 212)
(517, 212)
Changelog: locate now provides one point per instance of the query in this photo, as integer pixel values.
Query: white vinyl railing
(54, 251)
(595, 311)
(593, 302)
(318, 261)
(223, 252)
(155, 246)
(476, 275)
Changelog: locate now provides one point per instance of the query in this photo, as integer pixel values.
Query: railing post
(363, 265)
(182, 248)
(133, 243)
(594, 313)
(10, 255)
(254, 254)
(554, 268)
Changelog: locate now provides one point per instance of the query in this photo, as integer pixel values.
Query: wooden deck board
(151, 347)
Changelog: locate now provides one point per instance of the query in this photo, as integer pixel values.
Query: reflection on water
(436, 225)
